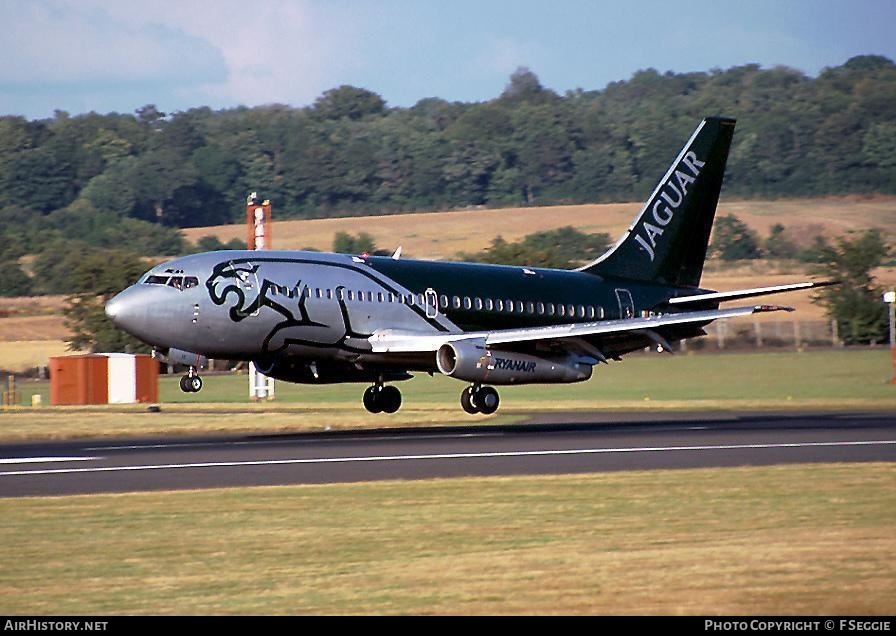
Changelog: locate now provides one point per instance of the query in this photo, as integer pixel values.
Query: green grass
(825, 380)
(806, 539)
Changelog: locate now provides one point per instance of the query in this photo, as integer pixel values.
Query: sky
(119, 55)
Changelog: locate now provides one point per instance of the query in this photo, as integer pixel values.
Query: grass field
(27, 354)
(824, 380)
(803, 539)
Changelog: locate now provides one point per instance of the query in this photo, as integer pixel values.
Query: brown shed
(103, 378)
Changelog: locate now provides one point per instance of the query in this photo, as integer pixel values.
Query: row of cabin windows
(518, 306)
(455, 302)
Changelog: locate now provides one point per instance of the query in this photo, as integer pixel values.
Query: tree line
(349, 153)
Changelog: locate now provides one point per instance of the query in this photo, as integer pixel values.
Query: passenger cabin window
(443, 301)
(477, 304)
(456, 301)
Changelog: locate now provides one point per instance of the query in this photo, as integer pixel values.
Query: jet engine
(473, 361)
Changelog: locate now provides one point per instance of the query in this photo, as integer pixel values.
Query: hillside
(443, 235)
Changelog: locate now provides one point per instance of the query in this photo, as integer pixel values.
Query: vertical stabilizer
(668, 240)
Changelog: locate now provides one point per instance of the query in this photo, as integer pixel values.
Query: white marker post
(890, 299)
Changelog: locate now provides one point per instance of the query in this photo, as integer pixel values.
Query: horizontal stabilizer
(747, 293)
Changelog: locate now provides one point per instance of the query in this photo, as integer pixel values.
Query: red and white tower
(258, 237)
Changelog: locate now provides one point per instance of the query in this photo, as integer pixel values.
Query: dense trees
(563, 248)
(89, 276)
(855, 304)
(348, 153)
(733, 240)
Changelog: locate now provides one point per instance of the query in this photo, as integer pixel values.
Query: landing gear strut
(479, 399)
(191, 383)
(382, 399)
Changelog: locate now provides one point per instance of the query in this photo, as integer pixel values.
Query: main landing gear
(479, 399)
(382, 399)
(191, 383)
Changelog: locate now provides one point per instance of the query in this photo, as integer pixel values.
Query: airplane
(319, 318)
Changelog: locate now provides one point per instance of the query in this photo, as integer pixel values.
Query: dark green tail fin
(667, 242)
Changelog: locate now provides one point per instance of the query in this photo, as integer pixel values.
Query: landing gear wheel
(390, 399)
(195, 384)
(466, 401)
(185, 384)
(372, 400)
(487, 400)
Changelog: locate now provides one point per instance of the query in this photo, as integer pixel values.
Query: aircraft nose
(113, 307)
(124, 309)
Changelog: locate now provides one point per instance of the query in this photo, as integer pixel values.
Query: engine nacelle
(302, 371)
(179, 356)
(473, 361)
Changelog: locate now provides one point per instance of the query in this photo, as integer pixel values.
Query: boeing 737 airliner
(323, 318)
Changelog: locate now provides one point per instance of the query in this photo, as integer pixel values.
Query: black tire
(390, 399)
(372, 401)
(487, 400)
(195, 384)
(466, 401)
(185, 384)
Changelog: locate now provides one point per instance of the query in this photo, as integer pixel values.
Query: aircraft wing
(395, 341)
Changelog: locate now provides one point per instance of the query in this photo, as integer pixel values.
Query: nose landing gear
(191, 383)
(479, 399)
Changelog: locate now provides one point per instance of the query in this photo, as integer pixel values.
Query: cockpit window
(178, 282)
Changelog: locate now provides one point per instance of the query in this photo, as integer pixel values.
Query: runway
(550, 444)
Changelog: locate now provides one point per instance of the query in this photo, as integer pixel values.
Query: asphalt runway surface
(550, 444)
